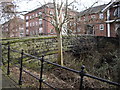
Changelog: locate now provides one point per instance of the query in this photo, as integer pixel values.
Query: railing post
(82, 75)
(41, 72)
(8, 67)
(21, 67)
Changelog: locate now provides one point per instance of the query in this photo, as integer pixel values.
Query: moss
(51, 52)
(25, 39)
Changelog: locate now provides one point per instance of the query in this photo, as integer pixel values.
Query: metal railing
(81, 73)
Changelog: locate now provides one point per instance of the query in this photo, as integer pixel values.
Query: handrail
(81, 72)
(103, 80)
(63, 67)
(31, 74)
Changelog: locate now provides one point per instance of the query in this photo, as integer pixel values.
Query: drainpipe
(108, 24)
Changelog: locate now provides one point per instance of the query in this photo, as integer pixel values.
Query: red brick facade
(37, 22)
(13, 28)
(96, 22)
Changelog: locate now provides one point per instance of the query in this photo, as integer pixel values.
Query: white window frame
(40, 13)
(51, 31)
(93, 16)
(101, 27)
(30, 24)
(30, 17)
(51, 12)
(36, 23)
(70, 23)
(52, 21)
(74, 31)
(36, 32)
(79, 19)
(78, 29)
(27, 24)
(40, 21)
(6, 29)
(33, 15)
(101, 16)
(36, 14)
(27, 31)
(33, 24)
(27, 17)
(40, 30)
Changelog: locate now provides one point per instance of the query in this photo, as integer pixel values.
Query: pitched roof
(51, 6)
(48, 5)
(92, 10)
(16, 19)
(110, 4)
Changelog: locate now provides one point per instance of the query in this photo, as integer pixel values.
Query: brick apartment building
(13, 28)
(38, 21)
(36, 25)
(101, 20)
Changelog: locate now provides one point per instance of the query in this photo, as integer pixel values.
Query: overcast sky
(82, 4)
(28, 5)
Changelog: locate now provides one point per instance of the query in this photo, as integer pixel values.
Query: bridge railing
(81, 73)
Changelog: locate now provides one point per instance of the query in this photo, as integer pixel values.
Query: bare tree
(9, 16)
(59, 19)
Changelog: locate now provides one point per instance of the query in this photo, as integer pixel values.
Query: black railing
(42, 60)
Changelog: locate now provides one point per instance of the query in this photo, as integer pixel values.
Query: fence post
(41, 72)
(8, 67)
(21, 67)
(82, 75)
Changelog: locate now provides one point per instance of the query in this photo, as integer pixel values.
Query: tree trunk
(60, 54)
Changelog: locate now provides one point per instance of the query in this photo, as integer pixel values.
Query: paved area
(8, 83)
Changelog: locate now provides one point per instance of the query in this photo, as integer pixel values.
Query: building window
(30, 17)
(63, 13)
(78, 29)
(51, 31)
(33, 15)
(36, 14)
(51, 12)
(30, 24)
(40, 14)
(79, 19)
(40, 21)
(101, 16)
(117, 12)
(36, 32)
(33, 24)
(85, 18)
(27, 31)
(52, 21)
(27, 17)
(75, 23)
(101, 26)
(70, 23)
(40, 30)
(6, 29)
(2, 27)
(31, 33)
(74, 31)
(27, 24)
(93, 16)
(40, 25)
(36, 23)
